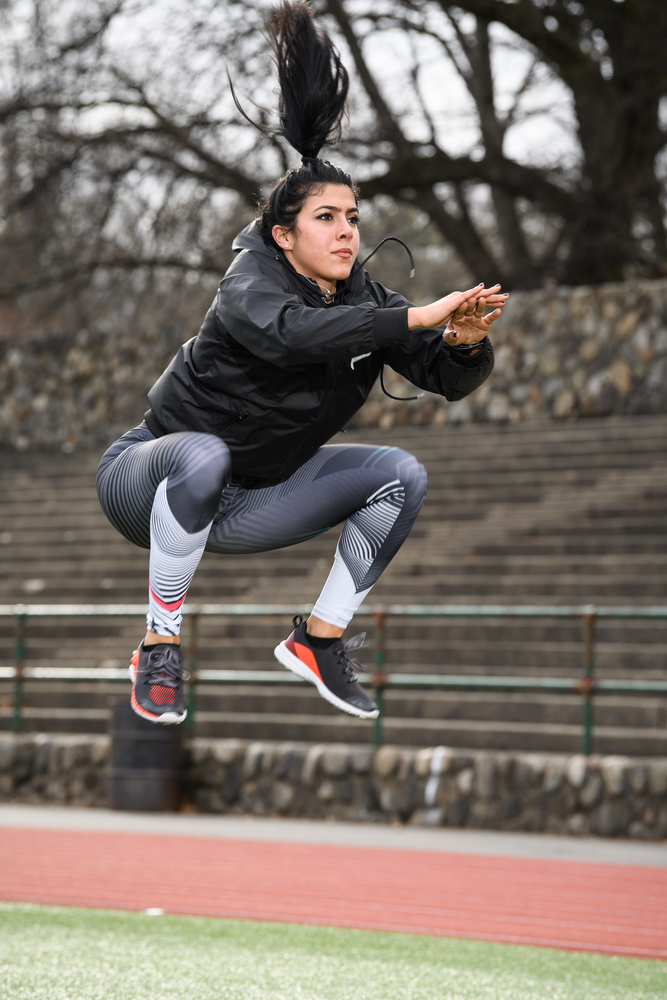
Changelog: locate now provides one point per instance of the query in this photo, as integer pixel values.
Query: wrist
(415, 318)
(469, 348)
(464, 348)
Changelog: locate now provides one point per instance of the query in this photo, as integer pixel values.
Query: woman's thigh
(335, 483)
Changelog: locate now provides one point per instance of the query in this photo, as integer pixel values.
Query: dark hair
(287, 199)
(313, 93)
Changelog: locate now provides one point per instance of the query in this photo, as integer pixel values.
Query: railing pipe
(379, 678)
(406, 610)
(454, 682)
(192, 665)
(19, 666)
(588, 680)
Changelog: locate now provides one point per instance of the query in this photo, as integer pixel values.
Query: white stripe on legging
(174, 557)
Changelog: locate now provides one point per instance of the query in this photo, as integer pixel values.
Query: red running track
(616, 909)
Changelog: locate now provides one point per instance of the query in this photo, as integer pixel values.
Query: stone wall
(78, 391)
(59, 769)
(607, 796)
(560, 353)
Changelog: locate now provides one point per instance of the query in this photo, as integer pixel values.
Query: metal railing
(587, 685)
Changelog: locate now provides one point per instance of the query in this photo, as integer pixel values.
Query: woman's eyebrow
(335, 208)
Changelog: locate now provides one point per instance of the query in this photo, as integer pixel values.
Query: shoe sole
(166, 719)
(293, 663)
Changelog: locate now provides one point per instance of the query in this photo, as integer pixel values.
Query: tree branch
(386, 119)
(90, 36)
(240, 182)
(426, 171)
(460, 232)
(127, 263)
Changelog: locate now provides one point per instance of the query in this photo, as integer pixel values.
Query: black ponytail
(313, 81)
(313, 94)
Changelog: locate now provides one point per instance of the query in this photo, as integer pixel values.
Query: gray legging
(176, 495)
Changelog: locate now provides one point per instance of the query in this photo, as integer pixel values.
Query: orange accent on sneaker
(308, 657)
(160, 695)
(151, 716)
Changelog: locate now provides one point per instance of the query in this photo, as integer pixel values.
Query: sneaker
(157, 683)
(329, 669)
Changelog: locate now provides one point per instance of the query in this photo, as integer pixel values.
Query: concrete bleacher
(543, 513)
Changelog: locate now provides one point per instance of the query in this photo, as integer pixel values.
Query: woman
(231, 456)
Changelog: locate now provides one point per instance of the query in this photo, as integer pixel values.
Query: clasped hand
(462, 313)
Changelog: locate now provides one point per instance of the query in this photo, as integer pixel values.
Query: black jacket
(275, 372)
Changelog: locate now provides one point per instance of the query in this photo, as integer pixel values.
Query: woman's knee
(199, 469)
(412, 475)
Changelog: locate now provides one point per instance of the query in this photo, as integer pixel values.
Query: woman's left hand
(469, 325)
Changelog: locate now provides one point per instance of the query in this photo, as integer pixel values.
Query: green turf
(56, 953)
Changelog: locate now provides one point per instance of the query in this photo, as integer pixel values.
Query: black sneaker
(329, 669)
(157, 683)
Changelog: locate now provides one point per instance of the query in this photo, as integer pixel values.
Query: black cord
(401, 399)
(394, 239)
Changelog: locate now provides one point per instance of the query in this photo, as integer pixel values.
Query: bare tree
(122, 149)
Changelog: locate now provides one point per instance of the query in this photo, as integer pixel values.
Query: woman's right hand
(439, 313)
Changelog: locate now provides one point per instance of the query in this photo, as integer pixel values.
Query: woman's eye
(325, 216)
(353, 220)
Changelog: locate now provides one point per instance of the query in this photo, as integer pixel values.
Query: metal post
(192, 667)
(587, 686)
(19, 663)
(379, 677)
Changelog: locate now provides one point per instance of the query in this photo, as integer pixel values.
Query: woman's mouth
(345, 254)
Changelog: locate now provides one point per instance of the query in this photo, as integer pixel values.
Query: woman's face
(325, 241)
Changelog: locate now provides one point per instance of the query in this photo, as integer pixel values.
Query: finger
(470, 293)
(460, 298)
(491, 317)
(467, 303)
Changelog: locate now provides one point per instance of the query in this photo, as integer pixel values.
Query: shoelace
(350, 663)
(164, 667)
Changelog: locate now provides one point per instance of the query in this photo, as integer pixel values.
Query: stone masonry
(560, 353)
(433, 786)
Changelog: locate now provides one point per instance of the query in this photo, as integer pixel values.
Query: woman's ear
(281, 236)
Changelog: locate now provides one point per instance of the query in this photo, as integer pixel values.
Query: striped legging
(176, 496)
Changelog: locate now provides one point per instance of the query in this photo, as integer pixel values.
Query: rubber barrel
(145, 763)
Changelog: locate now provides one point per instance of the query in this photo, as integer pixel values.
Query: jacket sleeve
(275, 325)
(431, 364)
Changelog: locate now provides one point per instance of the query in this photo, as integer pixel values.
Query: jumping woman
(232, 456)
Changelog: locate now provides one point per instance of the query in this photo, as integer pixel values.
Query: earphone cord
(402, 399)
(394, 239)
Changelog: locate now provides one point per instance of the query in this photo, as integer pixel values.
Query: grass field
(59, 953)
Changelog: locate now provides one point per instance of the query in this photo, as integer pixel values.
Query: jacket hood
(250, 239)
